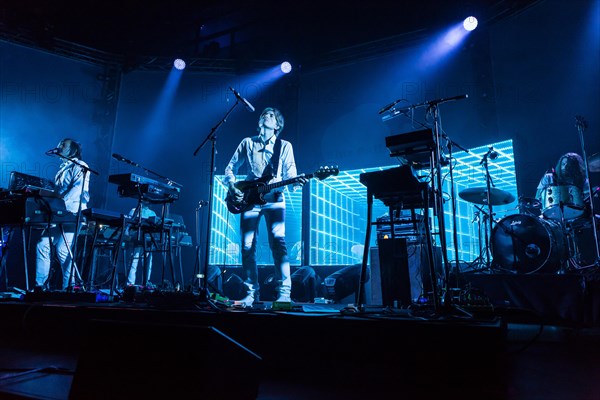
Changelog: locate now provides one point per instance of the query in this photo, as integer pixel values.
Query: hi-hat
(594, 163)
(479, 196)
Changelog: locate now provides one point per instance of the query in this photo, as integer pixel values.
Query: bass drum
(525, 244)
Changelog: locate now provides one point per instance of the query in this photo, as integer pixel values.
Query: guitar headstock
(326, 171)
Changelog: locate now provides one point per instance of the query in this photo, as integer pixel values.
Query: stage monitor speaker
(344, 282)
(131, 360)
(305, 284)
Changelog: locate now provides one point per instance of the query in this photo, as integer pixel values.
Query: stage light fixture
(179, 64)
(470, 23)
(286, 67)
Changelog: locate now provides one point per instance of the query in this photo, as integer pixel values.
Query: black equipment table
(27, 208)
(398, 188)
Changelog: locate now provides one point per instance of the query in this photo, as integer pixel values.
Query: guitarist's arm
(237, 160)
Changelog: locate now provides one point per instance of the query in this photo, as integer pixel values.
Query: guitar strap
(274, 162)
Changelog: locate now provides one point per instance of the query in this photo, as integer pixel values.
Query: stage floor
(77, 347)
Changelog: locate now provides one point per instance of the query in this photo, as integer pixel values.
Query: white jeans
(137, 256)
(43, 254)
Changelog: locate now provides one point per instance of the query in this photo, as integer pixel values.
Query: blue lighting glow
(470, 23)
(179, 64)
(286, 67)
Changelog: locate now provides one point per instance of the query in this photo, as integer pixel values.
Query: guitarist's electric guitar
(255, 190)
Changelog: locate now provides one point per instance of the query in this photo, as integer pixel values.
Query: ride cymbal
(479, 196)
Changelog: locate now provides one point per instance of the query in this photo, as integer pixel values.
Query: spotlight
(470, 23)
(179, 64)
(286, 67)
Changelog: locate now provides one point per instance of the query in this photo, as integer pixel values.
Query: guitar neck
(271, 186)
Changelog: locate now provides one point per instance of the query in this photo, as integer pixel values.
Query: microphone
(53, 151)
(491, 153)
(384, 109)
(123, 159)
(238, 96)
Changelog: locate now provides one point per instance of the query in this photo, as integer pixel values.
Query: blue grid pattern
(338, 208)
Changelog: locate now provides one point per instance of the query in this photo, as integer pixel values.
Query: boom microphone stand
(212, 137)
(73, 248)
(436, 169)
(581, 125)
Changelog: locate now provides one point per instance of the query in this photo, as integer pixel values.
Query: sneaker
(284, 298)
(245, 302)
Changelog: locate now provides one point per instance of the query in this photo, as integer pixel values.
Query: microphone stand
(436, 170)
(212, 136)
(581, 126)
(197, 274)
(73, 247)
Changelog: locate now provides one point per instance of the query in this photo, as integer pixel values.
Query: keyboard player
(138, 257)
(72, 185)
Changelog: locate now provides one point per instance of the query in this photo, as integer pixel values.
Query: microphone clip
(491, 154)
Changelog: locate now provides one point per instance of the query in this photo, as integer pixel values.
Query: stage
(85, 345)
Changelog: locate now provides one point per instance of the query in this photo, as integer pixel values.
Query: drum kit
(552, 234)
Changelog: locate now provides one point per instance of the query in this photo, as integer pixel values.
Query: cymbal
(479, 196)
(594, 162)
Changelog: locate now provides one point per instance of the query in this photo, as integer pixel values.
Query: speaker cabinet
(393, 268)
(402, 271)
(126, 360)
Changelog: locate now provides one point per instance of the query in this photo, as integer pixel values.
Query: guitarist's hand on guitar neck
(301, 180)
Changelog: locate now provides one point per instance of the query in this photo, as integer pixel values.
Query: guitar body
(255, 190)
(252, 195)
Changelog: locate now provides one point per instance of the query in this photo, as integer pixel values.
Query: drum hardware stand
(489, 183)
(581, 125)
(564, 259)
(449, 145)
(481, 217)
(212, 137)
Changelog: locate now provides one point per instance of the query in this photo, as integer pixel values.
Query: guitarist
(264, 155)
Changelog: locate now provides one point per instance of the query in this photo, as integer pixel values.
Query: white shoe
(245, 302)
(284, 298)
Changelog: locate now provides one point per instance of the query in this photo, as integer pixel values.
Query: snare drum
(569, 197)
(530, 206)
(526, 244)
